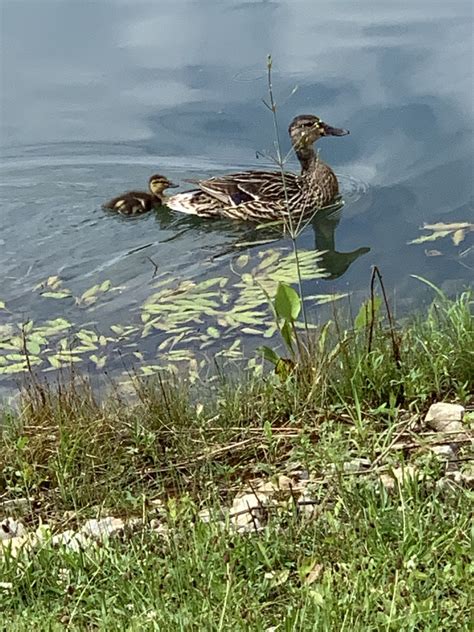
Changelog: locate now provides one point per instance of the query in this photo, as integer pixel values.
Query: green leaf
(364, 317)
(269, 354)
(287, 334)
(284, 368)
(2, 305)
(287, 302)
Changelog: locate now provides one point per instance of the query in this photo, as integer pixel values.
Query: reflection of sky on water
(179, 84)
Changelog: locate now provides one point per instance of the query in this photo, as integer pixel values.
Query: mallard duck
(138, 202)
(269, 195)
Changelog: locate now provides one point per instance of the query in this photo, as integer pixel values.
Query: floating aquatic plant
(456, 230)
(184, 315)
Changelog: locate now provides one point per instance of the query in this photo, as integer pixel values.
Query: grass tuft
(384, 561)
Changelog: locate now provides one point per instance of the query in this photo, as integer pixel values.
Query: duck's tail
(183, 203)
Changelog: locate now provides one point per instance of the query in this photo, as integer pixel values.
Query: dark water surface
(97, 96)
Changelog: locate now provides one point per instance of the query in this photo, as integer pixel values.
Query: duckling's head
(158, 184)
(306, 129)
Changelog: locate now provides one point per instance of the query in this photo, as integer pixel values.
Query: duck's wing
(249, 186)
(127, 197)
(131, 203)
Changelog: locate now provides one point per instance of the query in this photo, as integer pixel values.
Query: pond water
(97, 96)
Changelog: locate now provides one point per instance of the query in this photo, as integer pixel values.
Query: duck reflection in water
(245, 235)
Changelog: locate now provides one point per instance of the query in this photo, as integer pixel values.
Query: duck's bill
(334, 131)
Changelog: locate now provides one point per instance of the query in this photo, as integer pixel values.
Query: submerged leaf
(213, 332)
(33, 347)
(19, 367)
(457, 230)
(458, 236)
(90, 292)
(105, 286)
(242, 261)
(60, 294)
(99, 361)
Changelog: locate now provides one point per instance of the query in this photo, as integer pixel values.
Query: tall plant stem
(281, 163)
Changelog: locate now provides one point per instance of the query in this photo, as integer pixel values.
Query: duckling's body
(267, 195)
(139, 202)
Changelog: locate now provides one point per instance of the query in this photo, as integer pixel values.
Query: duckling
(138, 202)
(264, 195)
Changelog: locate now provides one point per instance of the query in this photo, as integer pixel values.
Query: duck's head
(159, 183)
(306, 129)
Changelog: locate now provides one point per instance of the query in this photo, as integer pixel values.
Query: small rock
(407, 472)
(10, 528)
(157, 502)
(387, 481)
(464, 477)
(72, 540)
(307, 505)
(204, 516)
(445, 417)
(157, 525)
(103, 528)
(445, 452)
(454, 476)
(285, 483)
(449, 483)
(247, 510)
(357, 464)
(15, 545)
(467, 480)
(302, 476)
(246, 502)
(400, 475)
(268, 487)
(272, 487)
(254, 525)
